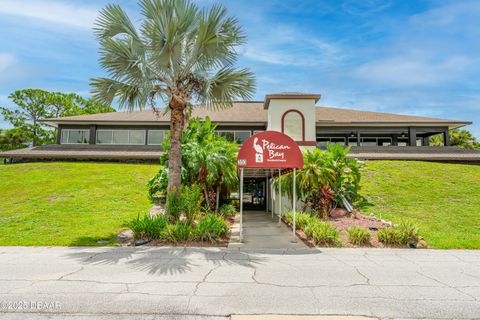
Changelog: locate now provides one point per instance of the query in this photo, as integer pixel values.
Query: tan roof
(330, 115)
(253, 112)
(239, 112)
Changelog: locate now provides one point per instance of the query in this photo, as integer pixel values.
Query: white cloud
(51, 11)
(365, 7)
(285, 45)
(6, 61)
(413, 70)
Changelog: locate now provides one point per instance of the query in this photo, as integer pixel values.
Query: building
(138, 135)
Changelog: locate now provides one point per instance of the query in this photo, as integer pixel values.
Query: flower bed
(354, 230)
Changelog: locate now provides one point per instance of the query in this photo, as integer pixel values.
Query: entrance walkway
(261, 231)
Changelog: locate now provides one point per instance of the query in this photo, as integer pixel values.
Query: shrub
(158, 184)
(178, 232)
(403, 234)
(358, 236)
(190, 201)
(302, 219)
(211, 228)
(409, 232)
(228, 210)
(389, 236)
(147, 227)
(289, 216)
(322, 233)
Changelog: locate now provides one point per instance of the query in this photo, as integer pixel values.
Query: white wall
(278, 107)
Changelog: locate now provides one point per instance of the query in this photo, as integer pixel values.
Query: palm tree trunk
(175, 156)
(218, 197)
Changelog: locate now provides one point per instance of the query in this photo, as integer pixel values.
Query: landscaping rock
(156, 210)
(338, 212)
(422, 244)
(125, 237)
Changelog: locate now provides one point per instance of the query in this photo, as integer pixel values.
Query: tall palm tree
(180, 55)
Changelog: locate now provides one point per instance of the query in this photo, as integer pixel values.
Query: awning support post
(241, 204)
(294, 238)
(272, 193)
(279, 196)
(265, 194)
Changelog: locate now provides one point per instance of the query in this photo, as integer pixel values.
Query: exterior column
(394, 140)
(412, 136)
(446, 137)
(358, 139)
(426, 141)
(59, 134)
(93, 134)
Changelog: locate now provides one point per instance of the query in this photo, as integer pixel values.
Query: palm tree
(180, 55)
(458, 137)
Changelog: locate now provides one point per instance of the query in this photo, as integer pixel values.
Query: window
(241, 136)
(75, 136)
(238, 136)
(292, 125)
(322, 142)
(155, 137)
(125, 137)
(352, 141)
(369, 142)
(376, 141)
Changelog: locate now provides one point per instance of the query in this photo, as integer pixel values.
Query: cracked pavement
(213, 283)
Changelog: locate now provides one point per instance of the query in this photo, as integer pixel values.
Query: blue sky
(405, 56)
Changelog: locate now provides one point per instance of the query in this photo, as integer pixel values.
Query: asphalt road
(194, 283)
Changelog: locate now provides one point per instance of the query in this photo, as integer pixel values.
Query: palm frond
(226, 86)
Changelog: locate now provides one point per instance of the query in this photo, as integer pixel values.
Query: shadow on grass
(178, 260)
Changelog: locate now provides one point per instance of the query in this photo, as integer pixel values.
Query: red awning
(270, 149)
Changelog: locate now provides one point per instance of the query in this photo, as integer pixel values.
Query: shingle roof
(248, 112)
(340, 115)
(239, 112)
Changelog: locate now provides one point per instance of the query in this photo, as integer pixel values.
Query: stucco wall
(278, 107)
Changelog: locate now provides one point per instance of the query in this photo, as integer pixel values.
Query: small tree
(35, 105)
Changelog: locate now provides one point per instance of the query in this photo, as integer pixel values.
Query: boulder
(156, 210)
(125, 237)
(422, 244)
(338, 212)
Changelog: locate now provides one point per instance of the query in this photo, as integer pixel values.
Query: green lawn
(80, 203)
(444, 199)
(69, 203)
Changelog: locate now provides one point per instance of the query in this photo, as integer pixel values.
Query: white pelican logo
(259, 151)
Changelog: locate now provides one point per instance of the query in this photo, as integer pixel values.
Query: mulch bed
(345, 222)
(358, 220)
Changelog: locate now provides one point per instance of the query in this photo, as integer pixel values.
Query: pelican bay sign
(270, 149)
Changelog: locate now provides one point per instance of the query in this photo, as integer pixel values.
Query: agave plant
(179, 57)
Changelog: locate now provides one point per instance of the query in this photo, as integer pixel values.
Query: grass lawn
(70, 204)
(444, 199)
